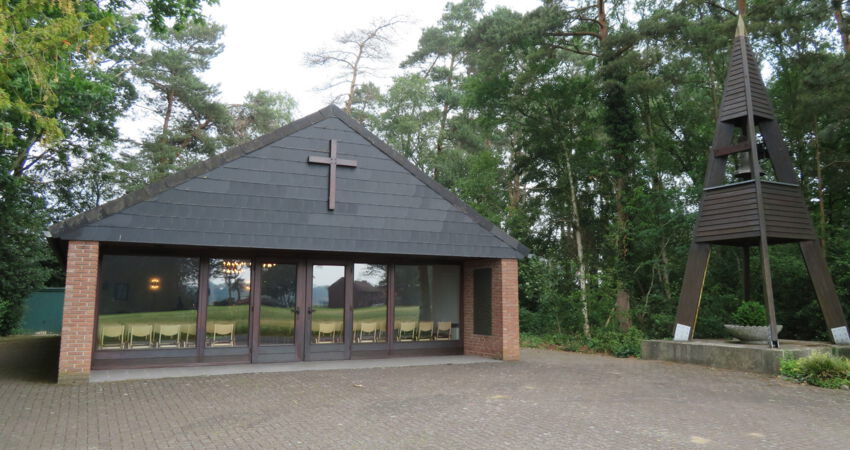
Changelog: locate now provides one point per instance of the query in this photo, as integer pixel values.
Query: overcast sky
(265, 40)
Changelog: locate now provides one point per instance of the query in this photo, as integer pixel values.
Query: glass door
(225, 333)
(328, 323)
(277, 314)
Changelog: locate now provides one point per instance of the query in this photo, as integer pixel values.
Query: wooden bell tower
(752, 210)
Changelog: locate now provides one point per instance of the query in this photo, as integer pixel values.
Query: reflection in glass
(427, 303)
(328, 304)
(227, 304)
(147, 302)
(370, 303)
(277, 300)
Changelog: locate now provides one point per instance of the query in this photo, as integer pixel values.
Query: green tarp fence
(43, 311)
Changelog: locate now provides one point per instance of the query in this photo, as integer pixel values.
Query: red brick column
(78, 314)
(504, 341)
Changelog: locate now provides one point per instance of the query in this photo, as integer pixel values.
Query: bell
(743, 171)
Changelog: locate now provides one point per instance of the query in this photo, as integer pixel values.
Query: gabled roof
(264, 195)
(740, 75)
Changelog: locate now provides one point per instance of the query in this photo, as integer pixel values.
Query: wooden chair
(382, 330)
(188, 331)
(368, 332)
(444, 331)
(339, 329)
(426, 331)
(112, 332)
(406, 331)
(355, 331)
(143, 333)
(225, 331)
(171, 334)
(327, 333)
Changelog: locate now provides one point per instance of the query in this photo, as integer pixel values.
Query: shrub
(750, 314)
(818, 369)
(619, 344)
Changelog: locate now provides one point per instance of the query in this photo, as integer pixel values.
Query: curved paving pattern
(547, 400)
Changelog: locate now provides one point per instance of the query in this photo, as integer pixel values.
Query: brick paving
(547, 400)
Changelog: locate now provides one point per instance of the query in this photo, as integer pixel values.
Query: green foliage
(818, 369)
(194, 123)
(261, 112)
(613, 342)
(750, 314)
(23, 249)
(63, 85)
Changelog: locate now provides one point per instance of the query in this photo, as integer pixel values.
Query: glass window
(427, 303)
(228, 303)
(370, 303)
(328, 304)
(277, 304)
(147, 302)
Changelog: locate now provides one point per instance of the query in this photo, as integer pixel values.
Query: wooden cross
(332, 162)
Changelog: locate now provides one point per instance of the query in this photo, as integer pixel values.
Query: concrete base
(733, 355)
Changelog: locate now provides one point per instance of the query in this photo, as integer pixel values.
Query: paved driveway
(547, 400)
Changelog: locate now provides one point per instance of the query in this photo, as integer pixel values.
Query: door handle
(310, 310)
(296, 310)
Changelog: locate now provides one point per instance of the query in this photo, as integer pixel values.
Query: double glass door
(301, 312)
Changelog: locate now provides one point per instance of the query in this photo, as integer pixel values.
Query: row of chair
(366, 332)
(223, 334)
(148, 336)
(411, 330)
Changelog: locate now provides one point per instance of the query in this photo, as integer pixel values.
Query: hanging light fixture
(154, 283)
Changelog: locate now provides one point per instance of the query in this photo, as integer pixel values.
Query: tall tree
(261, 112)
(356, 52)
(192, 120)
(441, 54)
(62, 87)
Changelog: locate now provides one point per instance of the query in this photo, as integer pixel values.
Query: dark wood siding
(786, 212)
(728, 212)
(734, 104)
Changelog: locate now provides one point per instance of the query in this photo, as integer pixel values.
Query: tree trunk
(444, 114)
(351, 88)
(169, 108)
(820, 188)
(624, 315)
(623, 296)
(838, 13)
(579, 240)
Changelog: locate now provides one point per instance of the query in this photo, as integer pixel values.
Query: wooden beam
(824, 286)
(695, 271)
(715, 175)
(735, 148)
(778, 152)
(747, 287)
(755, 170)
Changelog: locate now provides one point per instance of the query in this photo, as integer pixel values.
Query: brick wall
(78, 314)
(504, 341)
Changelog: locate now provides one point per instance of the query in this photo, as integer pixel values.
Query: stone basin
(751, 334)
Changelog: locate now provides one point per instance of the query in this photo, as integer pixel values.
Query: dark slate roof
(264, 195)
